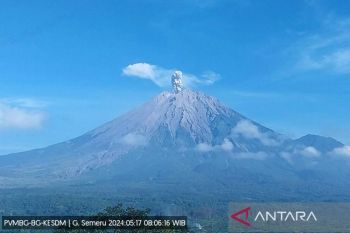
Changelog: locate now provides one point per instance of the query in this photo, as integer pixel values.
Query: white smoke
(162, 76)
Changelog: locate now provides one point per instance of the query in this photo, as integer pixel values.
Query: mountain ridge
(168, 130)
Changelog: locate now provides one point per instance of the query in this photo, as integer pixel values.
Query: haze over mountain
(183, 139)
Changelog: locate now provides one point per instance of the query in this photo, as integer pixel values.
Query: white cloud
(24, 102)
(342, 151)
(19, 117)
(327, 50)
(310, 152)
(249, 130)
(208, 78)
(337, 61)
(287, 156)
(225, 146)
(134, 139)
(204, 147)
(293, 155)
(162, 76)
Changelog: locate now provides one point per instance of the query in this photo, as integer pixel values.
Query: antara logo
(243, 211)
(284, 216)
(274, 216)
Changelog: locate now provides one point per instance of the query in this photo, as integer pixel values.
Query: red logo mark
(243, 211)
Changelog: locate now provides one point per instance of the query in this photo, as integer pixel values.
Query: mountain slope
(180, 121)
(186, 139)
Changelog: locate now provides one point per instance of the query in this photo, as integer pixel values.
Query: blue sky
(285, 64)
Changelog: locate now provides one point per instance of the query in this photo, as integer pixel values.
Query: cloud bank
(161, 76)
(310, 152)
(342, 151)
(21, 113)
(249, 130)
(225, 146)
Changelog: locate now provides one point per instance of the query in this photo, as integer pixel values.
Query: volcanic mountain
(188, 141)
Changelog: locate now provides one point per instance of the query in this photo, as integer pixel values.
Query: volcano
(189, 142)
